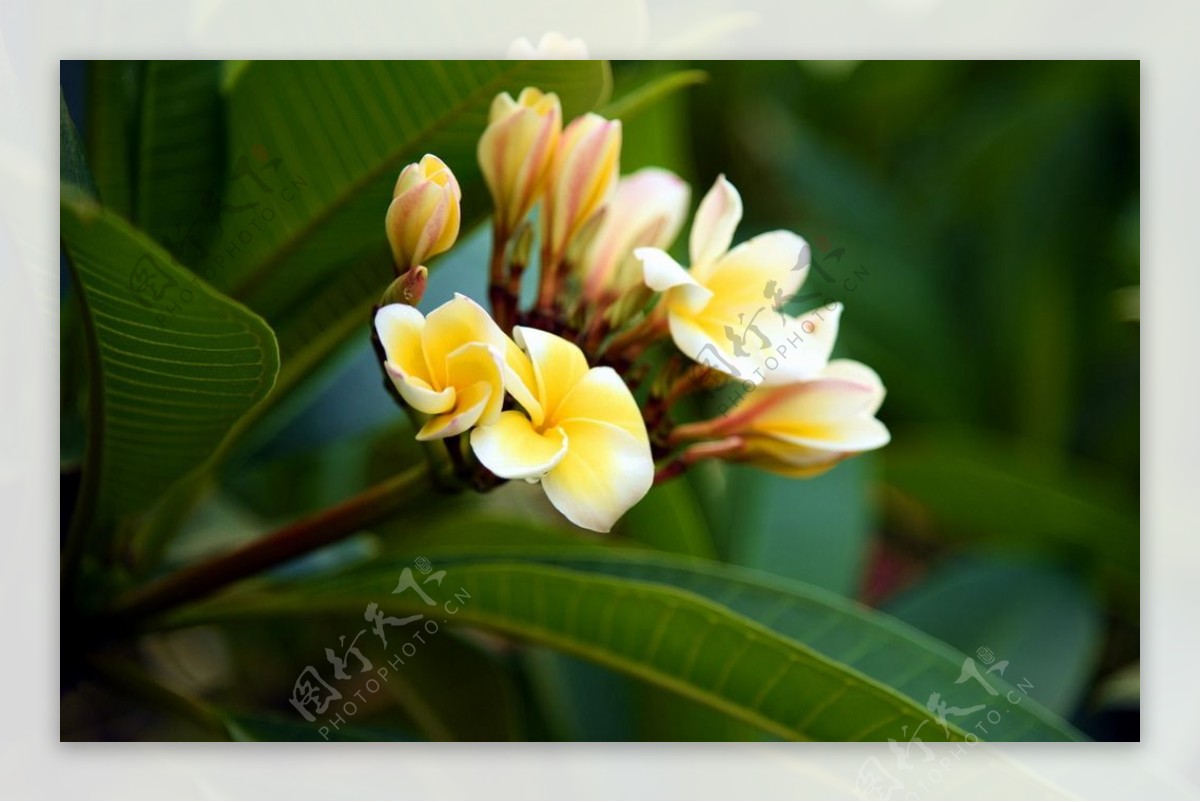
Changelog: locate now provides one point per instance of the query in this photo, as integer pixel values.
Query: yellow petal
(602, 396)
(399, 327)
(605, 471)
(470, 405)
(558, 365)
(521, 383)
(857, 372)
(514, 449)
(796, 462)
(830, 413)
(516, 150)
(452, 325)
(759, 272)
(716, 219)
(418, 393)
(582, 173)
(474, 364)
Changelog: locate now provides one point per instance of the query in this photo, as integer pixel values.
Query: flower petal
(829, 413)
(857, 372)
(521, 382)
(478, 363)
(417, 393)
(601, 395)
(469, 407)
(452, 325)
(796, 462)
(558, 365)
(514, 449)
(399, 327)
(664, 274)
(758, 272)
(716, 219)
(605, 471)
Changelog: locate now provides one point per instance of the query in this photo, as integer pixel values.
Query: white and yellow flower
(423, 217)
(723, 310)
(647, 209)
(581, 433)
(449, 365)
(582, 174)
(516, 150)
(801, 429)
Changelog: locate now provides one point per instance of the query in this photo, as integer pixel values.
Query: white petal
(717, 218)
(605, 471)
(469, 407)
(417, 393)
(513, 449)
(857, 372)
(664, 274)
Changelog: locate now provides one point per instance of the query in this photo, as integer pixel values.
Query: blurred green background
(980, 221)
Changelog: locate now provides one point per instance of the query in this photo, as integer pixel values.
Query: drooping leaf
(1043, 621)
(173, 364)
(793, 660)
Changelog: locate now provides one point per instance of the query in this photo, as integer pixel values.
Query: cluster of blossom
(518, 383)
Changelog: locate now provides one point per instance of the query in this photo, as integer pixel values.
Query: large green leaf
(788, 658)
(180, 155)
(1050, 630)
(173, 363)
(316, 147)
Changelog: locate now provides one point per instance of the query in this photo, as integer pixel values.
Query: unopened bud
(408, 289)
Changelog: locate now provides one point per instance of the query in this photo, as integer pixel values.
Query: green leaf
(790, 659)
(649, 93)
(180, 154)
(316, 146)
(1044, 621)
(73, 166)
(112, 104)
(1018, 495)
(173, 364)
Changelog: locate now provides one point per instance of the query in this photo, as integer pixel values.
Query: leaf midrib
(352, 189)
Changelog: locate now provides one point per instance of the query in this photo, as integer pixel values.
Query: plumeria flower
(583, 173)
(647, 209)
(423, 217)
(449, 365)
(804, 428)
(581, 433)
(516, 150)
(723, 310)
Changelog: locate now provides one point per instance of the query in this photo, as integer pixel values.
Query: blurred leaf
(112, 104)
(814, 530)
(794, 660)
(1044, 621)
(974, 486)
(272, 727)
(170, 376)
(72, 165)
(650, 93)
(180, 154)
(669, 519)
